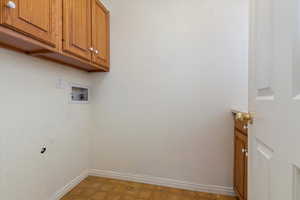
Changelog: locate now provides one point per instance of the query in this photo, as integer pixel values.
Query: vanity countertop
(235, 110)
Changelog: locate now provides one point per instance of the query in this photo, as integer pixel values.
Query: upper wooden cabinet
(100, 33)
(72, 32)
(86, 30)
(36, 18)
(77, 28)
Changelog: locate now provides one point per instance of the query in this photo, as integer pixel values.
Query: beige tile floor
(95, 188)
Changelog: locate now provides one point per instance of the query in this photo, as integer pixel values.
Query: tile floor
(95, 188)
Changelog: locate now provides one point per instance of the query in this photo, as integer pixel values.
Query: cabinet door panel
(100, 33)
(35, 18)
(246, 175)
(240, 161)
(77, 28)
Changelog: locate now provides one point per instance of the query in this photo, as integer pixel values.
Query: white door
(274, 86)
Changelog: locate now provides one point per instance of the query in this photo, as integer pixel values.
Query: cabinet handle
(11, 4)
(91, 49)
(246, 154)
(245, 127)
(243, 150)
(96, 51)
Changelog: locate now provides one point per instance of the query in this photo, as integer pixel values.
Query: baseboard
(163, 182)
(67, 188)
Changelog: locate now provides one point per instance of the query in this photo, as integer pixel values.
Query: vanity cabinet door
(240, 178)
(246, 175)
(100, 33)
(34, 18)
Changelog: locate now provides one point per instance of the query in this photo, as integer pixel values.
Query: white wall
(177, 68)
(33, 113)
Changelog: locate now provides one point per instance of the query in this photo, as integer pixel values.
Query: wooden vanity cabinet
(240, 178)
(240, 158)
(70, 32)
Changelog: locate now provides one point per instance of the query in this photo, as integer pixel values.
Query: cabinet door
(240, 161)
(35, 18)
(100, 33)
(77, 28)
(246, 174)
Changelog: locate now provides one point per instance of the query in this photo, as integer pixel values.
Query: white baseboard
(163, 182)
(67, 188)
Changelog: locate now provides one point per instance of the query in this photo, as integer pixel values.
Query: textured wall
(34, 113)
(178, 67)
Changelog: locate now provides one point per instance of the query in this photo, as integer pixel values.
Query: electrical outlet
(61, 84)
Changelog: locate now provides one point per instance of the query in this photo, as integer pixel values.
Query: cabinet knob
(11, 4)
(91, 49)
(96, 51)
(245, 151)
